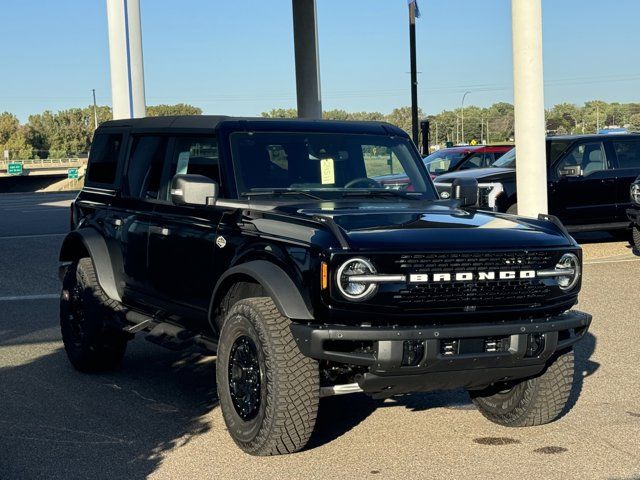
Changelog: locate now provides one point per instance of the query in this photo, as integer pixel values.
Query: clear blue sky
(236, 57)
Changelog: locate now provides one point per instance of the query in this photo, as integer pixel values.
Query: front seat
(593, 163)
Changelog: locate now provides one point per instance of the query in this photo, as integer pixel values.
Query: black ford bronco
(274, 245)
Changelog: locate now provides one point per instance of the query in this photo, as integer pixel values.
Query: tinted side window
(585, 158)
(195, 155)
(103, 159)
(628, 153)
(144, 170)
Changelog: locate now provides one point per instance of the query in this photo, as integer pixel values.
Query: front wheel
(535, 401)
(268, 390)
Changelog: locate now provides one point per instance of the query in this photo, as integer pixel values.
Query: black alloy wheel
(245, 377)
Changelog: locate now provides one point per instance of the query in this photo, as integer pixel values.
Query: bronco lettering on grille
(471, 276)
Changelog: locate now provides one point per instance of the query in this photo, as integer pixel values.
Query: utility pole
(95, 110)
(487, 134)
(436, 133)
(413, 13)
(463, 97)
(597, 118)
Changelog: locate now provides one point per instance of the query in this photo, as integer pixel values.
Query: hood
(414, 226)
(481, 174)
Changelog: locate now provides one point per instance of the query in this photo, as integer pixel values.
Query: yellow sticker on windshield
(327, 173)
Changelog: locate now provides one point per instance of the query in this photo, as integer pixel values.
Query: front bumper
(439, 366)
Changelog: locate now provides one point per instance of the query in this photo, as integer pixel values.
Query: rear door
(582, 189)
(182, 247)
(627, 152)
(131, 211)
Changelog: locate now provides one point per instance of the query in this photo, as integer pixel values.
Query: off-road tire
(290, 383)
(92, 345)
(635, 238)
(535, 401)
(513, 209)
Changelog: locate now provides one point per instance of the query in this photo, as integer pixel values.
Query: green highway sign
(72, 173)
(14, 168)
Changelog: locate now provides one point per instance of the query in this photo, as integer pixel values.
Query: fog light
(535, 344)
(412, 352)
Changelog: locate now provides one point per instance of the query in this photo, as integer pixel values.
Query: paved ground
(158, 415)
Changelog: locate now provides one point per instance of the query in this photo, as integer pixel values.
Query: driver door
(583, 189)
(182, 248)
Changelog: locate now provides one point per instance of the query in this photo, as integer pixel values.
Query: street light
(462, 119)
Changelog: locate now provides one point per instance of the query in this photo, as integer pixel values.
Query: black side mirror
(190, 189)
(465, 190)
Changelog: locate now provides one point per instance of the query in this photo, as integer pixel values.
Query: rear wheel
(85, 313)
(268, 390)
(535, 401)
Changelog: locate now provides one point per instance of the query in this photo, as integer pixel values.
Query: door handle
(160, 230)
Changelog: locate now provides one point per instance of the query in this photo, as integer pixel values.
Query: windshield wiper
(282, 191)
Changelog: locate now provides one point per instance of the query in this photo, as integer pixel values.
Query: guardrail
(48, 162)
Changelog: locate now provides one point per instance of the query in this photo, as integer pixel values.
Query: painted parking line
(599, 262)
(17, 298)
(36, 235)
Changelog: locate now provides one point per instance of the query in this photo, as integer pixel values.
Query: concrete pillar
(125, 58)
(528, 89)
(305, 37)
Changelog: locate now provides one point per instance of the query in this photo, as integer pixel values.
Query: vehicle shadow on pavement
(584, 367)
(58, 423)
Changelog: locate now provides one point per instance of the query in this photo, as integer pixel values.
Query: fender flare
(276, 283)
(89, 241)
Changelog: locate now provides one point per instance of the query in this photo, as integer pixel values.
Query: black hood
(490, 174)
(411, 226)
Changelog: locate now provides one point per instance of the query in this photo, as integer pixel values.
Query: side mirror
(571, 171)
(465, 190)
(190, 189)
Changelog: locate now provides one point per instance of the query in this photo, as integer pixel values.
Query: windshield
(508, 160)
(327, 164)
(444, 160)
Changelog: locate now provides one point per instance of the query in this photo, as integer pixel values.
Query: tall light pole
(95, 110)
(413, 13)
(462, 115)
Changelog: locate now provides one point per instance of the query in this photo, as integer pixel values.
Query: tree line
(69, 132)
(66, 133)
(495, 124)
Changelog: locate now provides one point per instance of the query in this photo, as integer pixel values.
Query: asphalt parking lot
(158, 415)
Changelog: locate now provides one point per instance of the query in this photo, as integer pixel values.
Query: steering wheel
(366, 180)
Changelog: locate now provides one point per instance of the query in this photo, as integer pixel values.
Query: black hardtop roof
(214, 122)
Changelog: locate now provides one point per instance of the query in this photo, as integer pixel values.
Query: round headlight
(352, 290)
(635, 193)
(571, 264)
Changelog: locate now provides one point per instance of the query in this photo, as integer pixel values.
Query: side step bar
(340, 390)
(167, 334)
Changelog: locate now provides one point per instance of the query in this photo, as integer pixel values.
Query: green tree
(177, 109)
(280, 113)
(9, 124)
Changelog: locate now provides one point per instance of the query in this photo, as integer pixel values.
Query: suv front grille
(476, 294)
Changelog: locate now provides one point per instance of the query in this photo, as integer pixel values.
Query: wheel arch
(88, 242)
(273, 281)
